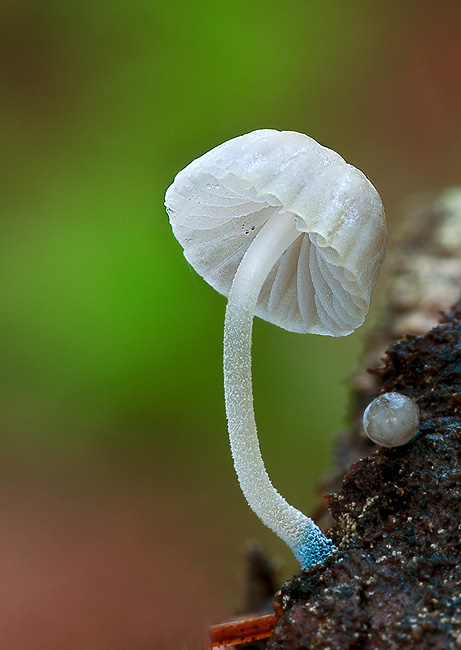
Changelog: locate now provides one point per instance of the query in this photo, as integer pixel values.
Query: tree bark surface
(395, 580)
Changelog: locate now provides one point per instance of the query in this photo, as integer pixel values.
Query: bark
(395, 581)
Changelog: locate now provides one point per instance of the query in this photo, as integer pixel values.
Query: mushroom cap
(323, 282)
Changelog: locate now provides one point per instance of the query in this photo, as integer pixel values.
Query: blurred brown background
(121, 522)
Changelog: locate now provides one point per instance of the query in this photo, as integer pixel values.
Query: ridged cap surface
(323, 282)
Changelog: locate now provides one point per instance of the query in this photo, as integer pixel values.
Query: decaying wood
(395, 581)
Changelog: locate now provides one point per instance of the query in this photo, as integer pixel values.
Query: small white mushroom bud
(391, 420)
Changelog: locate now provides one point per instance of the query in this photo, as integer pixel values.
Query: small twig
(244, 631)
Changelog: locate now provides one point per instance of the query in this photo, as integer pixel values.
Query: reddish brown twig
(244, 631)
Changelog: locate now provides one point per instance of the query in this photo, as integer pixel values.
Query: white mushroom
(391, 420)
(292, 233)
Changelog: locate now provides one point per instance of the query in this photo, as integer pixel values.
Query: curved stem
(305, 539)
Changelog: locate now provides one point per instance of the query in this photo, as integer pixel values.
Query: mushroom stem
(305, 539)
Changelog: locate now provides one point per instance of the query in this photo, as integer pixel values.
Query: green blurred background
(122, 522)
